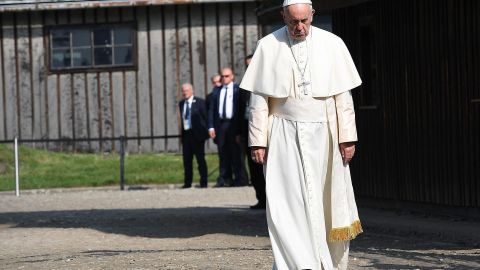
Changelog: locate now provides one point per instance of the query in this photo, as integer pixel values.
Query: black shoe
(258, 206)
(186, 186)
(201, 186)
(219, 185)
(239, 184)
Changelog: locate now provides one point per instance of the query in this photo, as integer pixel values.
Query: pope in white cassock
(302, 128)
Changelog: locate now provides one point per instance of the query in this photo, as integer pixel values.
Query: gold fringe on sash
(346, 233)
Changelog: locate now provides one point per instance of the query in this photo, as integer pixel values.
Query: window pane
(102, 46)
(82, 57)
(123, 35)
(123, 55)
(103, 56)
(81, 37)
(60, 59)
(102, 37)
(60, 38)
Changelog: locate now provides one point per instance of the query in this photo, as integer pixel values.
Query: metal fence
(121, 142)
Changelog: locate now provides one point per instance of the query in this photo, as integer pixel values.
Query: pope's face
(298, 19)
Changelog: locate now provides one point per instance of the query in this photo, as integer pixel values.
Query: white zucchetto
(293, 2)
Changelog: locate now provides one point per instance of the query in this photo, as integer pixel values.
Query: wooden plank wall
(175, 43)
(421, 141)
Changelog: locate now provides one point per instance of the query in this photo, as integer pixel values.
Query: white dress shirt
(226, 90)
(187, 123)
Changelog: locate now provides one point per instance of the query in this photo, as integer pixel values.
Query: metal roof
(31, 5)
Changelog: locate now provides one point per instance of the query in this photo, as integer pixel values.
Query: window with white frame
(91, 47)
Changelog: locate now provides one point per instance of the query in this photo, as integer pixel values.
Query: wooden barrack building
(100, 69)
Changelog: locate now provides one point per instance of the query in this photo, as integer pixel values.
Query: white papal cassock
(311, 209)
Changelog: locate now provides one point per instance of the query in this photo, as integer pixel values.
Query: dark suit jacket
(208, 97)
(242, 123)
(198, 116)
(213, 117)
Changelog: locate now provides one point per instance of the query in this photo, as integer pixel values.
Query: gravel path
(168, 228)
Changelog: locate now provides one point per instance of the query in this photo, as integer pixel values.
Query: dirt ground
(171, 228)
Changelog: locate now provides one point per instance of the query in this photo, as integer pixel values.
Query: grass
(44, 169)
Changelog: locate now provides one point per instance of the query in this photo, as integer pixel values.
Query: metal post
(122, 162)
(17, 177)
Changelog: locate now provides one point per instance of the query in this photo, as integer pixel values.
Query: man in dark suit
(194, 134)
(216, 82)
(221, 124)
(255, 169)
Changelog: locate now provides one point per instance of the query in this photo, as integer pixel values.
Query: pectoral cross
(304, 86)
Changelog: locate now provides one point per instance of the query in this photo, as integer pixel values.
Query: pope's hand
(259, 155)
(347, 149)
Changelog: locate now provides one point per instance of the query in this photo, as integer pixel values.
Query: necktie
(187, 111)
(224, 109)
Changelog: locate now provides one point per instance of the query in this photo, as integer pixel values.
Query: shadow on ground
(154, 223)
(376, 248)
(387, 251)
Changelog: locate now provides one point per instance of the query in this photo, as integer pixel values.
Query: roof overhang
(321, 6)
(328, 5)
(35, 5)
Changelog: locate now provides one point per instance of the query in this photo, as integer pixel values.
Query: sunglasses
(225, 76)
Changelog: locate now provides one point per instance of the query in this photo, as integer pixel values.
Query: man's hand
(211, 132)
(259, 155)
(347, 149)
